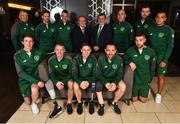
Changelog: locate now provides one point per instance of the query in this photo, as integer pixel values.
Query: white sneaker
(158, 98)
(34, 108)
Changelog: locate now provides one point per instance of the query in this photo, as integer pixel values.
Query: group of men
(85, 70)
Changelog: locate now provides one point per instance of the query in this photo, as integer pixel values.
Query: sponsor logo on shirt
(89, 65)
(160, 35)
(146, 57)
(36, 58)
(64, 66)
(135, 55)
(105, 66)
(25, 61)
(114, 66)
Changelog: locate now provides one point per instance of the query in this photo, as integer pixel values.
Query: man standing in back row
(63, 31)
(161, 39)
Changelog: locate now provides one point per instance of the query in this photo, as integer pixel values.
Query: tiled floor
(166, 112)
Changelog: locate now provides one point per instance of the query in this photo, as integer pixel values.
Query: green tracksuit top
(60, 70)
(45, 37)
(122, 36)
(29, 66)
(143, 28)
(21, 29)
(84, 71)
(110, 71)
(161, 39)
(63, 34)
(144, 65)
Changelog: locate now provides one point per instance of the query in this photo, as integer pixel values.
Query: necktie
(83, 29)
(98, 34)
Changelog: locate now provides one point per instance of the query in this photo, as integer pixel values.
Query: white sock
(34, 108)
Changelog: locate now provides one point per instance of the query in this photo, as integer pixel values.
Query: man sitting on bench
(110, 69)
(84, 74)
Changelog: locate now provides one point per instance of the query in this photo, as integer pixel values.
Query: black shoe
(91, 107)
(69, 108)
(57, 111)
(116, 108)
(79, 108)
(101, 110)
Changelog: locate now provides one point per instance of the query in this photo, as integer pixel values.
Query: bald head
(23, 16)
(121, 16)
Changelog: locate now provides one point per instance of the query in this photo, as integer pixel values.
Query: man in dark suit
(80, 34)
(102, 34)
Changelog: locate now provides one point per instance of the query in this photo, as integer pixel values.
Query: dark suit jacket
(78, 38)
(105, 36)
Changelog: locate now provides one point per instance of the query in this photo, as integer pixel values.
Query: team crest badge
(56, 66)
(36, 58)
(161, 35)
(146, 57)
(105, 66)
(146, 26)
(60, 28)
(64, 66)
(122, 28)
(89, 65)
(80, 65)
(114, 66)
(44, 31)
(68, 28)
(32, 28)
(25, 28)
(52, 30)
(138, 26)
(115, 28)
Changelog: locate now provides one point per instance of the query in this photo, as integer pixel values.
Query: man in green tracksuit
(110, 76)
(141, 60)
(27, 61)
(63, 31)
(45, 34)
(22, 27)
(61, 73)
(122, 33)
(161, 39)
(84, 74)
(141, 26)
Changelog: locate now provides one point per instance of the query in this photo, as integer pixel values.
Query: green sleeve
(100, 74)
(153, 64)
(75, 74)
(51, 73)
(169, 45)
(92, 79)
(22, 74)
(127, 58)
(15, 39)
(118, 77)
